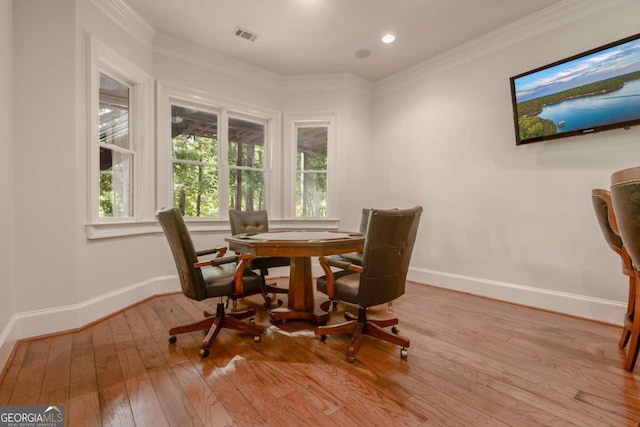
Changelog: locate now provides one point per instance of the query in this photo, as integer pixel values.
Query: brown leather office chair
(603, 206)
(625, 194)
(219, 277)
(381, 278)
(255, 222)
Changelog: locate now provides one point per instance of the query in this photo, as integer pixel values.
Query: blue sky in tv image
(614, 61)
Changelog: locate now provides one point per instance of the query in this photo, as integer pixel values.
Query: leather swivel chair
(381, 278)
(255, 222)
(219, 277)
(603, 206)
(625, 194)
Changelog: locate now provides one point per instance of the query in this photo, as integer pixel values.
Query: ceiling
(322, 36)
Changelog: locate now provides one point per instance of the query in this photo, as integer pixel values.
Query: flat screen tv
(590, 92)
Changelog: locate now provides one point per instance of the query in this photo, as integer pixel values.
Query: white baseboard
(601, 310)
(74, 316)
(597, 309)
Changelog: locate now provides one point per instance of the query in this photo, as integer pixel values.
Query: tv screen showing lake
(596, 90)
(599, 110)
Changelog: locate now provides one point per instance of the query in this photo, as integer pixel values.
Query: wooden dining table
(300, 247)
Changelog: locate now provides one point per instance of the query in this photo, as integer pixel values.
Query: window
(309, 150)
(194, 147)
(120, 150)
(246, 165)
(218, 155)
(116, 156)
(311, 169)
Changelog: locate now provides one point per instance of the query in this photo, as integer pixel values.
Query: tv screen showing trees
(589, 92)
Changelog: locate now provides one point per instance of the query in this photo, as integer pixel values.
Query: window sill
(120, 229)
(137, 228)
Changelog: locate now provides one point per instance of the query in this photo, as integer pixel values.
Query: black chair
(219, 277)
(603, 206)
(255, 222)
(381, 278)
(625, 194)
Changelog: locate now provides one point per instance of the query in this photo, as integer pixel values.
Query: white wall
(44, 147)
(509, 222)
(6, 174)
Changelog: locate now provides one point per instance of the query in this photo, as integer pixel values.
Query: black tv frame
(554, 98)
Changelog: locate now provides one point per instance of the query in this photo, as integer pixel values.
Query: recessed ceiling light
(388, 38)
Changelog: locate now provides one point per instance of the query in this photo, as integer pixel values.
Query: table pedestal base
(318, 316)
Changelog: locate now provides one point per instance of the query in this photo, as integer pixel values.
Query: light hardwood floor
(472, 361)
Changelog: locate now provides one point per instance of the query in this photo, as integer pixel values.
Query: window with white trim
(117, 156)
(195, 166)
(311, 141)
(310, 147)
(247, 159)
(120, 184)
(219, 155)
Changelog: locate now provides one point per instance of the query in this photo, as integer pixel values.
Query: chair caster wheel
(257, 338)
(334, 305)
(252, 320)
(267, 302)
(173, 339)
(351, 359)
(404, 353)
(204, 352)
(395, 330)
(323, 338)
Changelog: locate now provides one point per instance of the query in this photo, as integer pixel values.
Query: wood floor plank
(84, 402)
(150, 353)
(472, 361)
(145, 406)
(115, 407)
(57, 376)
(234, 402)
(10, 374)
(176, 406)
(209, 408)
(359, 396)
(31, 374)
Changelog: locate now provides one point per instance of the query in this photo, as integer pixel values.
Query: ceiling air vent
(245, 34)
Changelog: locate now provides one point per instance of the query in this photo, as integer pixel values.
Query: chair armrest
(326, 263)
(216, 261)
(220, 251)
(239, 277)
(243, 263)
(345, 265)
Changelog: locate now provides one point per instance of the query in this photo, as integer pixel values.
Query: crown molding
(121, 14)
(172, 47)
(550, 18)
(328, 81)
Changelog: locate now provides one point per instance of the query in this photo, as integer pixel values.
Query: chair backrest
(603, 206)
(391, 235)
(625, 193)
(364, 220)
(251, 222)
(184, 253)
